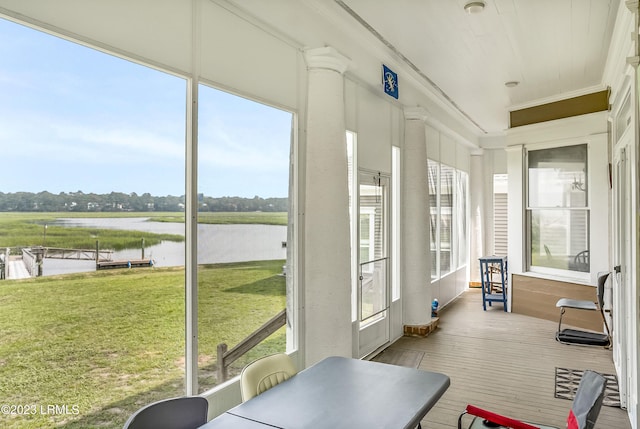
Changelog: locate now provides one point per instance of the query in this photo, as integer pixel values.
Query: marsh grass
(19, 230)
(112, 341)
(263, 218)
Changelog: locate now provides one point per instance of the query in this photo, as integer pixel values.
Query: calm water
(216, 243)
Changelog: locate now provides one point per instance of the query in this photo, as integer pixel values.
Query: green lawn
(111, 341)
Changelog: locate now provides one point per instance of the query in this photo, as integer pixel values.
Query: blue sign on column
(390, 81)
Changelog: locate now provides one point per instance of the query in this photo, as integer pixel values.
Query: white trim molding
(416, 113)
(327, 58)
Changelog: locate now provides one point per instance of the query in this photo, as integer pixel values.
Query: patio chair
(494, 278)
(577, 336)
(582, 415)
(188, 412)
(581, 261)
(264, 373)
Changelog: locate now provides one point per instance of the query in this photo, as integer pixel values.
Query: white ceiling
(554, 48)
(551, 47)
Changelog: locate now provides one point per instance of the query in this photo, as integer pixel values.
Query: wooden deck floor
(502, 361)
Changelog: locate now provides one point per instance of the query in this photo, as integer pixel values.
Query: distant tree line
(121, 202)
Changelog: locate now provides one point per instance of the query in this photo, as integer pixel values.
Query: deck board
(504, 362)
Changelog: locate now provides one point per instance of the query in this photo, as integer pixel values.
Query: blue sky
(75, 119)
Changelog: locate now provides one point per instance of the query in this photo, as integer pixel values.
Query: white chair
(264, 373)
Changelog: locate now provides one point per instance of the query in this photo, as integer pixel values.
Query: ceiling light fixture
(511, 84)
(474, 7)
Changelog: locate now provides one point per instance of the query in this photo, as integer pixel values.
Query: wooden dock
(79, 254)
(131, 263)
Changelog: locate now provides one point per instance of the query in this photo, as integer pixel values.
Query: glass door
(624, 308)
(374, 263)
(620, 321)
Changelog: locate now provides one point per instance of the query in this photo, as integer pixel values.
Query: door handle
(617, 269)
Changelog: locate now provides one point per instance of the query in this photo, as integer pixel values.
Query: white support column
(516, 207)
(478, 214)
(327, 268)
(416, 263)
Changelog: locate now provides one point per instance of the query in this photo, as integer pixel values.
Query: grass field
(110, 342)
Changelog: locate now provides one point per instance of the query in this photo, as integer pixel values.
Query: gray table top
(347, 393)
(229, 421)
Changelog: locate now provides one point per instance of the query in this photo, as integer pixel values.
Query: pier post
(39, 254)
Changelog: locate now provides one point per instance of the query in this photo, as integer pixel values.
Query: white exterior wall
(377, 122)
(375, 131)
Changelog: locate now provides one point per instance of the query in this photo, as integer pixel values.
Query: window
(352, 153)
(461, 218)
(500, 214)
(447, 175)
(433, 172)
(395, 222)
(101, 134)
(448, 218)
(373, 215)
(86, 132)
(558, 210)
(374, 246)
(367, 233)
(243, 183)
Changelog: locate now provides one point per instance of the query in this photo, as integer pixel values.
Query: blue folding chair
(494, 290)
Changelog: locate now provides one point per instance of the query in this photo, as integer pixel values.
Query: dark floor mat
(567, 381)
